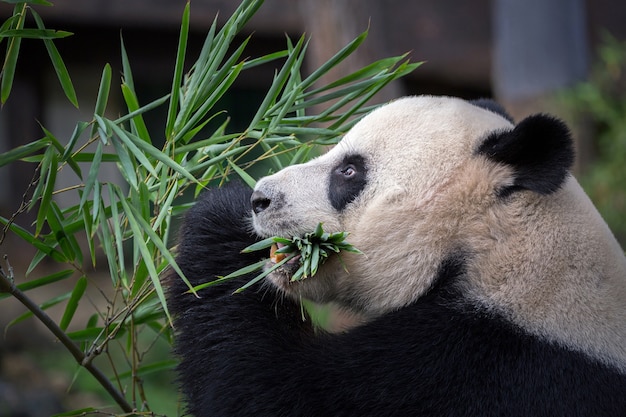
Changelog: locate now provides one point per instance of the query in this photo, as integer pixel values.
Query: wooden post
(539, 48)
(332, 24)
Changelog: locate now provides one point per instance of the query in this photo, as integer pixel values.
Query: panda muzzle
(278, 257)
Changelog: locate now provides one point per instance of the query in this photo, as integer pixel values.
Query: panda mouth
(278, 257)
(288, 268)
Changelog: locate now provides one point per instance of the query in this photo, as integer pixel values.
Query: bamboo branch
(7, 285)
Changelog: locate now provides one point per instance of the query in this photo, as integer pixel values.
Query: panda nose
(259, 202)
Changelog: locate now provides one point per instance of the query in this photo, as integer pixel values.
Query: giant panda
(488, 284)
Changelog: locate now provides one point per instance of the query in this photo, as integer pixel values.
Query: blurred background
(523, 53)
(565, 57)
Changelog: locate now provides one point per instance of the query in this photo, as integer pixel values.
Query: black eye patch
(347, 180)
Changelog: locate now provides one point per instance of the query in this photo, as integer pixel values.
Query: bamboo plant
(130, 223)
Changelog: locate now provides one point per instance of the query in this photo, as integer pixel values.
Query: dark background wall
(520, 52)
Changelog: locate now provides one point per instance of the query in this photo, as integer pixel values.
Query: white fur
(549, 263)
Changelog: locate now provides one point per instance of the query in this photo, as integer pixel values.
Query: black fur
(343, 188)
(539, 148)
(250, 354)
(492, 106)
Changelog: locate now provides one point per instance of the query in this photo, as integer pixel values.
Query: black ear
(540, 150)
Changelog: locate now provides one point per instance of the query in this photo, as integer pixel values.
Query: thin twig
(7, 285)
(24, 204)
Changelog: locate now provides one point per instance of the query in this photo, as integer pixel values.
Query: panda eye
(349, 171)
(347, 180)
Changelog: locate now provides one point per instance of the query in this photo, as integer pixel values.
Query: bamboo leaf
(138, 227)
(292, 90)
(69, 148)
(41, 282)
(312, 250)
(10, 60)
(277, 85)
(217, 93)
(214, 161)
(165, 208)
(87, 157)
(141, 110)
(212, 55)
(142, 202)
(127, 168)
(22, 151)
(247, 178)
(301, 155)
(126, 69)
(218, 137)
(53, 140)
(103, 97)
(126, 138)
(212, 78)
(265, 59)
(141, 148)
(8, 24)
(315, 259)
(72, 304)
(50, 170)
(319, 231)
(178, 73)
(103, 91)
(95, 201)
(106, 240)
(81, 411)
(57, 62)
(118, 235)
(144, 370)
(89, 225)
(44, 306)
(372, 70)
(37, 258)
(136, 219)
(201, 68)
(240, 272)
(194, 131)
(140, 278)
(92, 177)
(260, 245)
(41, 181)
(86, 335)
(261, 275)
(336, 59)
(65, 239)
(139, 125)
(44, 34)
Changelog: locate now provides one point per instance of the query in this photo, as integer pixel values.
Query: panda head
(425, 180)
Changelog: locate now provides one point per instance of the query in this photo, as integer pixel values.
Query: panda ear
(539, 149)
